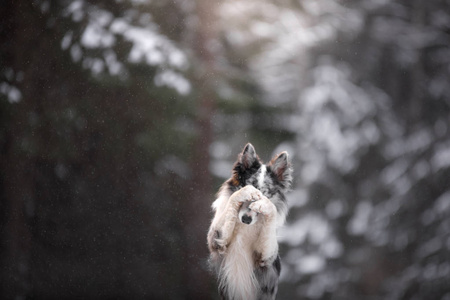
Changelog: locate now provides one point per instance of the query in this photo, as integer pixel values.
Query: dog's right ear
(248, 156)
(247, 160)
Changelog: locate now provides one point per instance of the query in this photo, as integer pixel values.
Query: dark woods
(96, 176)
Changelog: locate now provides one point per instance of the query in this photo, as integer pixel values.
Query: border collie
(242, 239)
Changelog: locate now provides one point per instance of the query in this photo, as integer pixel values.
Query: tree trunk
(22, 36)
(197, 207)
(19, 206)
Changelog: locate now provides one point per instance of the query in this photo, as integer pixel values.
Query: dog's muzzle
(246, 219)
(246, 215)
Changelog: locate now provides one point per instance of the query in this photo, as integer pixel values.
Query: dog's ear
(248, 156)
(282, 169)
(247, 161)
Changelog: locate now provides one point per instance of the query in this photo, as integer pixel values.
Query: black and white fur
(242, 240)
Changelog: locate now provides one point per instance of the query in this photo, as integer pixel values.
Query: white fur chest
(239, 263)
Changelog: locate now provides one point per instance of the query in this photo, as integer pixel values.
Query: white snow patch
(12, 93)
(310, 264)
(358, 225)
(441, 157)
(174, 80)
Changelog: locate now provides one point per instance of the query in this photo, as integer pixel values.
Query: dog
(242, 240)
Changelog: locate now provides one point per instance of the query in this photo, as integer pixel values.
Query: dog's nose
(246, 219)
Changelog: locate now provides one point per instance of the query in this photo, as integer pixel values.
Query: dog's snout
(246, 219)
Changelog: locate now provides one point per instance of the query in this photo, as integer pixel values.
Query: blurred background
(120, 119)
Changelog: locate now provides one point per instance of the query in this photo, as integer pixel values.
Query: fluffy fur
(242, 237)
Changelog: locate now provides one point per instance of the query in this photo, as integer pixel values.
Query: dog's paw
(216, 242)
(266, 262)
(249, 193)
(262, 261)
(220, 246)
(264, 207)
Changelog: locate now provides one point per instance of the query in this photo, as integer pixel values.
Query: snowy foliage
(97, 45)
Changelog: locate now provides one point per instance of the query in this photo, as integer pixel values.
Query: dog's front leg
(221, 230)
(267, 244)
(247, 193)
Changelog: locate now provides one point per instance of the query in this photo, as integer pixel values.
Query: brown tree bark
(199, 280)
(17, 163)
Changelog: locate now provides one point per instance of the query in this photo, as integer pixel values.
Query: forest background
(120, 119)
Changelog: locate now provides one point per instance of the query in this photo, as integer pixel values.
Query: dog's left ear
(282, 169)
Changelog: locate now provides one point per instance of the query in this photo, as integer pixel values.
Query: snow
(148, 45)
(334, 209)
(219, 149)
(359, 224)
(430, 247)
(220, 168)
(67, 40)
(174, 80)
(442, 204)
(75, 9)
(76, 53)
(96, 35)
(297, 198)
(310, 264)
(12, 93)
(311, 226)
(393, 172)
(441, 157)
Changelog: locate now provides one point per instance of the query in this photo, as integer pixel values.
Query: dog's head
(272, 179)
